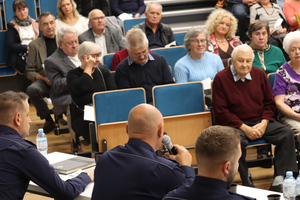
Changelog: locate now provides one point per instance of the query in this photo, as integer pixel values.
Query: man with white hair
(158, 34)
(243, 99)
(57, 67)
(141, 68)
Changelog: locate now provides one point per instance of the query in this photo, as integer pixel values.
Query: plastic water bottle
(41, 142)
(298, 184)
(289, 184)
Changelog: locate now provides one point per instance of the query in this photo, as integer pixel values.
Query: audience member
(265, 10)
(21, 162)
(286, 85)
(39, 50)
(271, 12)
(266, 57)
(58, 65)
(218, 151)
(198, 64)
(141, 68)
(221, 26)
(134, 171)
(292, 7)
(220, 4)
(68, 16)
(84, 7)
(20, 32)
(83, 82)
(241, 9)
(108, 38)
(158, 34)
(134, 8)
(242, 98)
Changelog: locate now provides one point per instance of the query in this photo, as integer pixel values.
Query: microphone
(166, 141)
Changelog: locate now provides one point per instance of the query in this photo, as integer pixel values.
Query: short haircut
(62, 31)
(257, 25)
(89, 15)
(61, 15)
(87, 48)
(18, 4)
(45, 14)
(243, 48)
(289, 39)
(217, 143)
(153, 3)
(135, 38)
(216, 16)
(194, 32)
(10, 103)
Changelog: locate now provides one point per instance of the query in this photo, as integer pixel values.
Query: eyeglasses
(97, 18)
(198, 41)
(294, 49)
(96, 55)
(141, 54)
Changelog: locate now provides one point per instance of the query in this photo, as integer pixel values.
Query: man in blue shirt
(218, 151)
(134, 171)
(20, 160)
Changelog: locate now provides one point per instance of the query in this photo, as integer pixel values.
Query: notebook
(73, 164)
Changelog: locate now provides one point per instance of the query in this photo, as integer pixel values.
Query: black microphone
(166, 141)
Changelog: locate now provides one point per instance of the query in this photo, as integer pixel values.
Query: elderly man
(158, 34)
(242, 98)
(134, 171)
(57, 67)
(141, 68)
(218, 151)
(22, 162)
(108, 38)
(40, 49)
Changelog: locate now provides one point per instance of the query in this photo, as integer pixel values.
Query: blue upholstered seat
(107, 59)
(172, 54)
(179, 37)
(179, 99)
(114, 106)
(129, 23)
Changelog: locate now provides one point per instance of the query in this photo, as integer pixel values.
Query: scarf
(27, 22)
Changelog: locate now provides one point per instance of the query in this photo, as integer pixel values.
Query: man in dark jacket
(158, 34)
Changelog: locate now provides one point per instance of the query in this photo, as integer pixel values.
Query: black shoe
(49, 126)
(276, 188)
(248, 182)
(63, 122)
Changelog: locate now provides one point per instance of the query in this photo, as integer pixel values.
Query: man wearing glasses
(141, 68)
(108, 38)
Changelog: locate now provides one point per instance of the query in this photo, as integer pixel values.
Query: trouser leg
(36, 92)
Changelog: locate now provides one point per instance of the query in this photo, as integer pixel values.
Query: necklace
(221, 41)
(267, 11)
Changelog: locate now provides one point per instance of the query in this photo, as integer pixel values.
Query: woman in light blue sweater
(198, 64)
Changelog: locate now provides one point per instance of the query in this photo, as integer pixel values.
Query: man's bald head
(144, 120)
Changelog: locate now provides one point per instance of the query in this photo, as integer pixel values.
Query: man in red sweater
(242, 98)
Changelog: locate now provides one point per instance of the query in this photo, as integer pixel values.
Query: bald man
(134, 171)
(108, 38)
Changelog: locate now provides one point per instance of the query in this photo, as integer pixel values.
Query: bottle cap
(41, 130)
(289, 173)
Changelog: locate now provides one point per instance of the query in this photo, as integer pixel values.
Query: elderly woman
(198, 64)
(286, 88)
(221, 26)
(20, 32)
(84, 81)
(267, 57)
(292, 7)
(68, 16)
